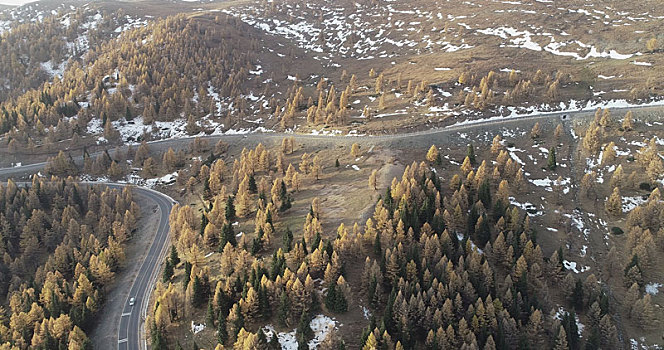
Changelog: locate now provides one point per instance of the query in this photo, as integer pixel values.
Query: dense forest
(446, 264)
(61, 244)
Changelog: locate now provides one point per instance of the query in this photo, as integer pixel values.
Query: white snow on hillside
(385, 29)
(197, 328)
(321, 325)
(131, 23)
(529, 208)
(22, 14)
(135, 179)
(629, 203)
(81, 44)
(653, 288)
(368, 32)
(132, 131)
(638, 63)
(559, 316)
(578, 222)
(571, 106)
(524, 39)
(572, 266)
(548, 184)
(4, 26)
(53, 70)
(78, 22)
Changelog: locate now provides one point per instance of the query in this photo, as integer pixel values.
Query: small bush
(616, 231)
(645, 186)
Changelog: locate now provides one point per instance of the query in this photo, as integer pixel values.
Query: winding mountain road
(131, 331)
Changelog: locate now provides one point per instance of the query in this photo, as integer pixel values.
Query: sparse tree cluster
(517, 88)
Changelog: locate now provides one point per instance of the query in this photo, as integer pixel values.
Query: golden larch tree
(614, 203)
(355, 150)
(432, 154)
(373, 180)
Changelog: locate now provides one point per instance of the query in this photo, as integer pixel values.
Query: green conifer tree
(551, 163)
(470, 153)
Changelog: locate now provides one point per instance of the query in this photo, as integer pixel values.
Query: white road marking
(122, 341)
(126, 314)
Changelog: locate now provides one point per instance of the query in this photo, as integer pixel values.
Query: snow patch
(629, 203)
(559, 316)
(653, 288)
(529, 208)
(571, 265)
(321, 325)
(197, 328)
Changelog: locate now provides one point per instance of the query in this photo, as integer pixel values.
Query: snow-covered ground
(512, 151)
(641, 344)
(559, 316)
(326, 132)
(572, 266)
(197, 328)
(577, 219)
(629, 203)
(135, 179)
(76, 23)
(32, 12)
(548, 184)
(131, 23)
(571, 106)
(365, 312)
(321, 325)
(529, 208)
(382, 30)
(387, 29)
(53, 70)
(132, 131)
(653, 288)
(576, 48)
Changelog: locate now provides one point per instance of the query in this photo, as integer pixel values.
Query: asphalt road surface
(433, 135)
(130, 333)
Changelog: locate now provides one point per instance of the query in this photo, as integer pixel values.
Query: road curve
(131, 331)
